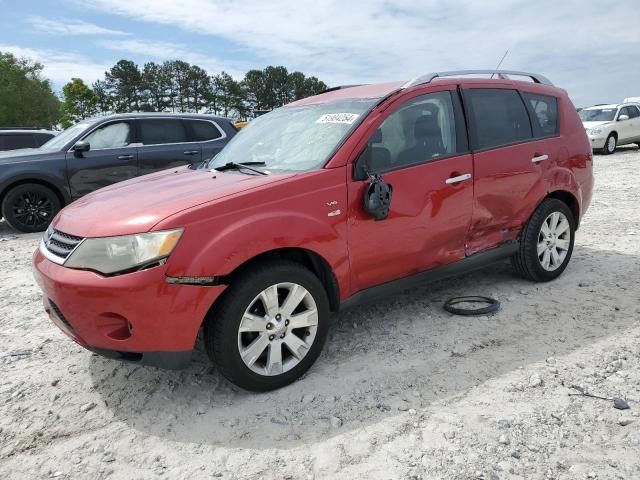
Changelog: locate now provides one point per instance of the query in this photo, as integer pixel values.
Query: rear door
(209, 136)
(165, 143)
(514, 137)
(112, 158)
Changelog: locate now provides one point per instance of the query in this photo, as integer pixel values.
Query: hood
(590, 125)
(25, 155)
(136, 205)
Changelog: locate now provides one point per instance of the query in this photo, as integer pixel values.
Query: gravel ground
(402, 390)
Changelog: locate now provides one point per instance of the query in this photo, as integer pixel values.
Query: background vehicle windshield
(294, 138)
(60, 140)
(598, 115)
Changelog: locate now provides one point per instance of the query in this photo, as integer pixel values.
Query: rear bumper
(135, 317)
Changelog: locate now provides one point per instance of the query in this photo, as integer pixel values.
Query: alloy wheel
(554, 240)
(278, 329)
(32, 209)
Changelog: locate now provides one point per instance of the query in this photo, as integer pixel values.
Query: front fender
(20, 173)
(234, 231)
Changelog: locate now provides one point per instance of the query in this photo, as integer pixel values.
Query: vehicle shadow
(381, 359)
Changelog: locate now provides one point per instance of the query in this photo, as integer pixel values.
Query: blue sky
(589, 48)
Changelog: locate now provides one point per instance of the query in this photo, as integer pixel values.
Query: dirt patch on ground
(402, 390)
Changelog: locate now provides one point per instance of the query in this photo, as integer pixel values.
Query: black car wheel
(30, 207)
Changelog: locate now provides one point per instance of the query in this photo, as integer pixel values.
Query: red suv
(318, 205)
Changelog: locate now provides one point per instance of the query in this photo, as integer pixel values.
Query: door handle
(458, 179)
(540, 158)
(191, 152)
(125, 157)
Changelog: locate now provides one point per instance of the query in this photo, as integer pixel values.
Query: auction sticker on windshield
(347, 118)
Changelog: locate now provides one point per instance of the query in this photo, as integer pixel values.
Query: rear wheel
(546, 242)
(269, 327)
(30, 207)
(610, 144)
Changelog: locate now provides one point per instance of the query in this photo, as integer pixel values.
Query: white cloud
(71, 27)
(59, 67)
(577, 44)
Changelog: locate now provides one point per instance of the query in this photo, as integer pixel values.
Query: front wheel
(30, 207)
(610, 145)
(269, 327)
(546, 242)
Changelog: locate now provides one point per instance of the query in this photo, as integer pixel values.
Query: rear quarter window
(16, 141)
(499, 117)
(204, 130)
(545, 114)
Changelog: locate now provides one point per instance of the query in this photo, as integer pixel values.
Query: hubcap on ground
(32, 209)
(278, 329)
(554, 240)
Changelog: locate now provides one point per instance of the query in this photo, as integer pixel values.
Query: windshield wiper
(241, 165)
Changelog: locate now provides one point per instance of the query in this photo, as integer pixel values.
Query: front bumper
(597, 141)
(135, 317)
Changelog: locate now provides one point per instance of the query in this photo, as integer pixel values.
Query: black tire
(30, 207)
(222, 325)
(608, 149)
(526, 261)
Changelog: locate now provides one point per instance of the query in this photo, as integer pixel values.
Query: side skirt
(465, 265)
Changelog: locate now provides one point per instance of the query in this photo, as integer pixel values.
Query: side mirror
(623, 117)
(81, 147)
(377, 198)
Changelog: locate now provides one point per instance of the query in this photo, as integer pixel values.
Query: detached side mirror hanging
(377, 197)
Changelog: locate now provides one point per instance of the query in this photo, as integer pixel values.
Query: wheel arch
(569, 199)
(39, 181)
(309, 259)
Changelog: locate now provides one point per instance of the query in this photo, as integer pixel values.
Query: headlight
(116, 254)
(595, 131)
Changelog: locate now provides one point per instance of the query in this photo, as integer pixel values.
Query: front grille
(59, 314)
(60, 244)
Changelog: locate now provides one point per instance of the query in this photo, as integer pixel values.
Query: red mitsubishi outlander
(323, 203)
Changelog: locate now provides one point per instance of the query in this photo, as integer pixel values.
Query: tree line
(178, 86)
(26, 98)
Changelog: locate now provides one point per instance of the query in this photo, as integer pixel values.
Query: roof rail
(340, 87)
(431, 76)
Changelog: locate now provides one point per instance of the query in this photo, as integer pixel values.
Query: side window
(421, 130)
(204, 130)
(111, 135)
(499, 116)
(545, 109)
(634, 112)
(14, 142)
(156, 131)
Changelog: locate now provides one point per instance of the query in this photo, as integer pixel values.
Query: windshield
(598, 114)
(294, 138)
(60, 140)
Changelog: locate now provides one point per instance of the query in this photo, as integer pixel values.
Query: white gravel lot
(402, 390)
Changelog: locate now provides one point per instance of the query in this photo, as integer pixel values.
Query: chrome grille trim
(57, 246)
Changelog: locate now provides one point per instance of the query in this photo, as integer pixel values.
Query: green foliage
(26, 99)
(79, 102)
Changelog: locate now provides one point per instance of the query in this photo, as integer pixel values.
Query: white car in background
(611, 125)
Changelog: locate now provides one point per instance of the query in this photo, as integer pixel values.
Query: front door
(165, 144)
(420, 150)
(112, 158)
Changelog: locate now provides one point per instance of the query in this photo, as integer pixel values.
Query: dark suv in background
(16, 138)
(36, 183)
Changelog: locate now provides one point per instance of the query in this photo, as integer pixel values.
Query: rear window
(500, 117)
(16, 141)
(157, 131)
(204, 130)
(545, 108)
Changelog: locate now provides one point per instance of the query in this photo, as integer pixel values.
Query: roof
(203, 116)
(26, 130)
(610, 105)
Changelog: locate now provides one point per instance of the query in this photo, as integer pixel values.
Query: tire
(527, 261)
(610, 145)
(30, 207)
(267, 330)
